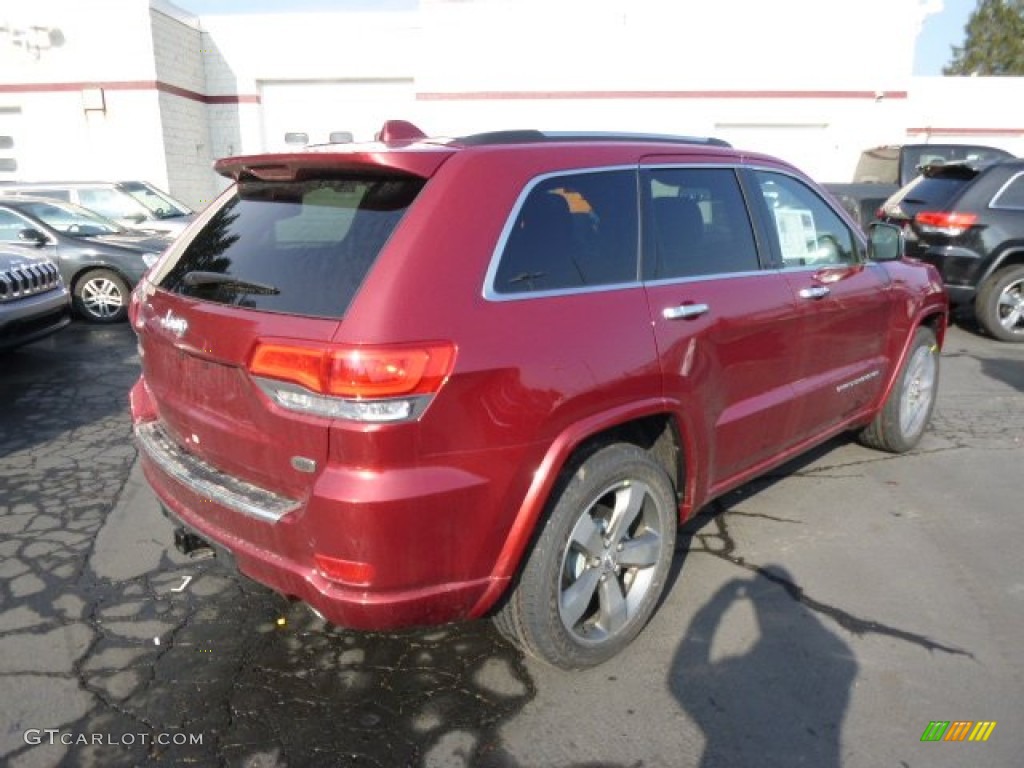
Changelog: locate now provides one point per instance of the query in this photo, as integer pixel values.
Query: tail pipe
(192, 545)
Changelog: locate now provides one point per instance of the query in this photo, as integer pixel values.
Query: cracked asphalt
(821, 616)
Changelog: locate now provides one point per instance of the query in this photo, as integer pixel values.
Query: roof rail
(532, 136)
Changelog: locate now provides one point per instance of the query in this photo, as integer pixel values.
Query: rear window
(931, 192)
(301, 248)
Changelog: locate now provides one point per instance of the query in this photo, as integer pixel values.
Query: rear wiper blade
(197, 277)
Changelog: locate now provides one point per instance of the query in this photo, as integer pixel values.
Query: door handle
(814, 292)
(684, 311)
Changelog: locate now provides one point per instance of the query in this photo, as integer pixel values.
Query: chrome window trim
(490, 294)
(994, 204)
(665, 281)
(819, 267)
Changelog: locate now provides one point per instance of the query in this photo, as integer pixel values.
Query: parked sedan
(99, 261)
(132, 204)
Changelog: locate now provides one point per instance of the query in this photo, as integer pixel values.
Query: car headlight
(150, 258)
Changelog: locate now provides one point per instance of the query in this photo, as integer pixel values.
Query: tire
(101, 296)
(600, 563)
(898, 427)
(999, 305)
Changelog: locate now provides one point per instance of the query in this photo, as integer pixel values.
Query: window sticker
(797, 233)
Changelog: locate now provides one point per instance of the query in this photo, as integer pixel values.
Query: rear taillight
(949, 223)
(376, 384)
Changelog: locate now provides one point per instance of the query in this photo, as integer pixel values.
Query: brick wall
(185, 125)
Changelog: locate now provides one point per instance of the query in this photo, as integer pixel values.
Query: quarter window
(697, 224)
(572, 231)
(808, 231)
(1011, 195)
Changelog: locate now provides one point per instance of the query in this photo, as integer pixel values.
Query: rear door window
(697, 224)
(301, 247)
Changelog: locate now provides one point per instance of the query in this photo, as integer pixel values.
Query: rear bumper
(959, 267)
(412, 530)
(351, 608)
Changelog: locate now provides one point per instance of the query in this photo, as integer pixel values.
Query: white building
(142, 89)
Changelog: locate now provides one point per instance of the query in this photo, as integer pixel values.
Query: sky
(941, 31)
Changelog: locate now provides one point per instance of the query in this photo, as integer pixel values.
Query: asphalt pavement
(822, 616)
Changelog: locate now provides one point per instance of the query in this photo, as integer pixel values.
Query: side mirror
(33, 236)
(885, 242)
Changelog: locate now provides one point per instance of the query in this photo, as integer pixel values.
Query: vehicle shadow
(963, 317)
(773, 688)
(1005, 370)
(774, 698)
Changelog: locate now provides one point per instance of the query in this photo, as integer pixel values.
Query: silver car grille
(28, 280)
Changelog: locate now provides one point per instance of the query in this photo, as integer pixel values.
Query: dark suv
(423, 380)
(968, 220)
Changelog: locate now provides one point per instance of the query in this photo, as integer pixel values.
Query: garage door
(297, 113)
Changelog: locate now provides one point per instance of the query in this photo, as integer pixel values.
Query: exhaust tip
(192, 545)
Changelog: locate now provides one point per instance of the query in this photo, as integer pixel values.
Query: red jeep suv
(423, 380)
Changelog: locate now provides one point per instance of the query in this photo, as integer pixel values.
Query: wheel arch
(934, 318)
(651, 426)
(1012, 256)
(85, 269)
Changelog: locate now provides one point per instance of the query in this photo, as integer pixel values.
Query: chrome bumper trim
(205, 480)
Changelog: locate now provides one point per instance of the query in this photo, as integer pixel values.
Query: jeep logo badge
(174, 324)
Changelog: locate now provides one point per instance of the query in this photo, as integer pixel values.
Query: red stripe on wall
(543, 95)
(131, 85)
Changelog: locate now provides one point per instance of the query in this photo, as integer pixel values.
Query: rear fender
(545, 479)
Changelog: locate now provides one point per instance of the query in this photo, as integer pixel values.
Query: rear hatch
(926, 207)
(277, 259)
